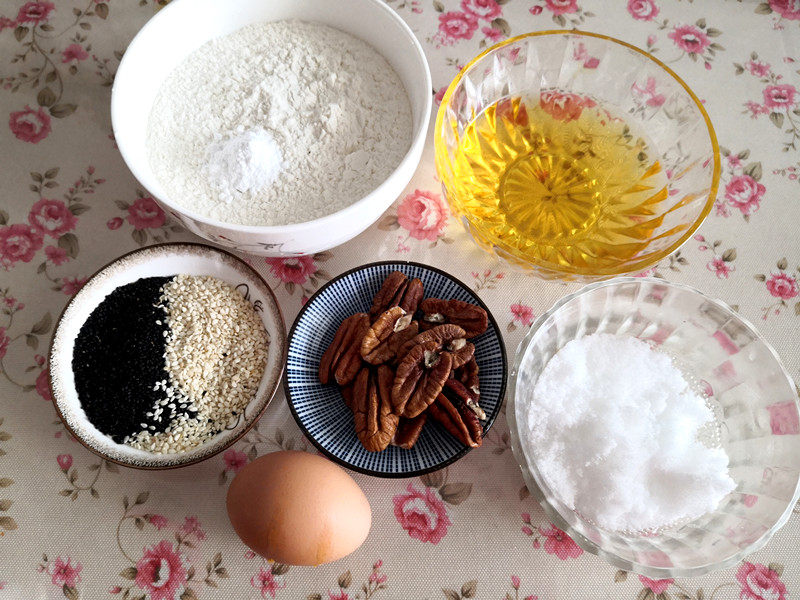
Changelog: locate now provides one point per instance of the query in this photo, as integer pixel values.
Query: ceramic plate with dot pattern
(320, 410)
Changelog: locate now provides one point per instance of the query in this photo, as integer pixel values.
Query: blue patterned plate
(320, 410)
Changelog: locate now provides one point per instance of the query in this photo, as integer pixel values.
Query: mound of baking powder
(278, 123)
(617, 435)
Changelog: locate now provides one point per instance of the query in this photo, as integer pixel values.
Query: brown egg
(298, 508)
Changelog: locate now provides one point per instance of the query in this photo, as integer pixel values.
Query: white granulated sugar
(278, 123)
(615, 430)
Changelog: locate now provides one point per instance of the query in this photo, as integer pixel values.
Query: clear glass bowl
(643, 91)
(742, 376)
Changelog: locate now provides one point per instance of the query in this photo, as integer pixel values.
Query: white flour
(278, 123)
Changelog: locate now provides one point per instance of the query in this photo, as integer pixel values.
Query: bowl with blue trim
(320, 410)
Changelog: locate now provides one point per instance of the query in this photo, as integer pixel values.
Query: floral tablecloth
(72, 525)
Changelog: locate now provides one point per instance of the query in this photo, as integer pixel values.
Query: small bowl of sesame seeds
(167, 356)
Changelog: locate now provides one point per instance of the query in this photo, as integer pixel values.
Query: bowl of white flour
(656, 427)
(276, 128)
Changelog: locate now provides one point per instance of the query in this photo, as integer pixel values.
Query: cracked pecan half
(473, 319)
(462, 351)
(397, 290)
(457, 420)
(412, 296)
(420, 378)
(375, 421)
(455, 389)
(468, 375)
(443, 336)
(347, 394)
(342, 360)
(390, 294)
(386, 334)
(409, 430)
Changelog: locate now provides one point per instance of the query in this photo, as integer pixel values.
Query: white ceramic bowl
(159, 261)
(184, 25)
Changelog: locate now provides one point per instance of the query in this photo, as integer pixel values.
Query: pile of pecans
(406, 360)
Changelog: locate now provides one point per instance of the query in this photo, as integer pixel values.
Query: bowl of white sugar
(277, 128)
(656, 427)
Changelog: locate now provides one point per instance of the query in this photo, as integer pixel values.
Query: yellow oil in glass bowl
(560, 180)
(575, 172)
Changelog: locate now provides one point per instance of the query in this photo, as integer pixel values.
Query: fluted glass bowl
(724, 358)
(577, 67)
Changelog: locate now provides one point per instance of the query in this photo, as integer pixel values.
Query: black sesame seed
(119, 358)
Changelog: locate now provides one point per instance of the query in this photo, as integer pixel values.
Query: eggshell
(298, 508)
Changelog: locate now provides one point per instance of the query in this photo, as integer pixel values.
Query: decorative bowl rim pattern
(417, 137)
(281, 346)
(553, 514)
(442, 464)
(641, 265)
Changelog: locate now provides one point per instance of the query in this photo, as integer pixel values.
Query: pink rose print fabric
(157, 521)
(423, 214)
(42, 385)
(482, 9)
(74, 52)
(422, 514)
(144, 213)
(559, 543)
(787, 9)
(690, 39)
(783, 286)
(161, 572)
(266, 583)
(454, 26)
(294, 270)
(657, 586)
(643, 10)
(744, 193)
(51, 218)
(234, 460)
(19, 243)
(472, 531)
(65, 574)
(29, 125)
(35, 12)
(560, 7)
(759, 583)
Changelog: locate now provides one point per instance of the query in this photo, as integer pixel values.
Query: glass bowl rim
(640, 265)
(532, 477)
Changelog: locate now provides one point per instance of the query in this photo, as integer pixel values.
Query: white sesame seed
(215, 355)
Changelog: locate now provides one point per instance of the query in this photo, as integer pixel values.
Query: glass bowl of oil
(575, 155)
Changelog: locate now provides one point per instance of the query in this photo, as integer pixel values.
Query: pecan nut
(409, 430)
(420, 378)
(457, 420)
(375, 421)
(397, 290)
(468, 375)
(342, 359)
(462, 352)
(473, 319)
(442, 335)
(347, 394)
(412, 296)
(390, 294)
(384, 336)
(454, 389)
